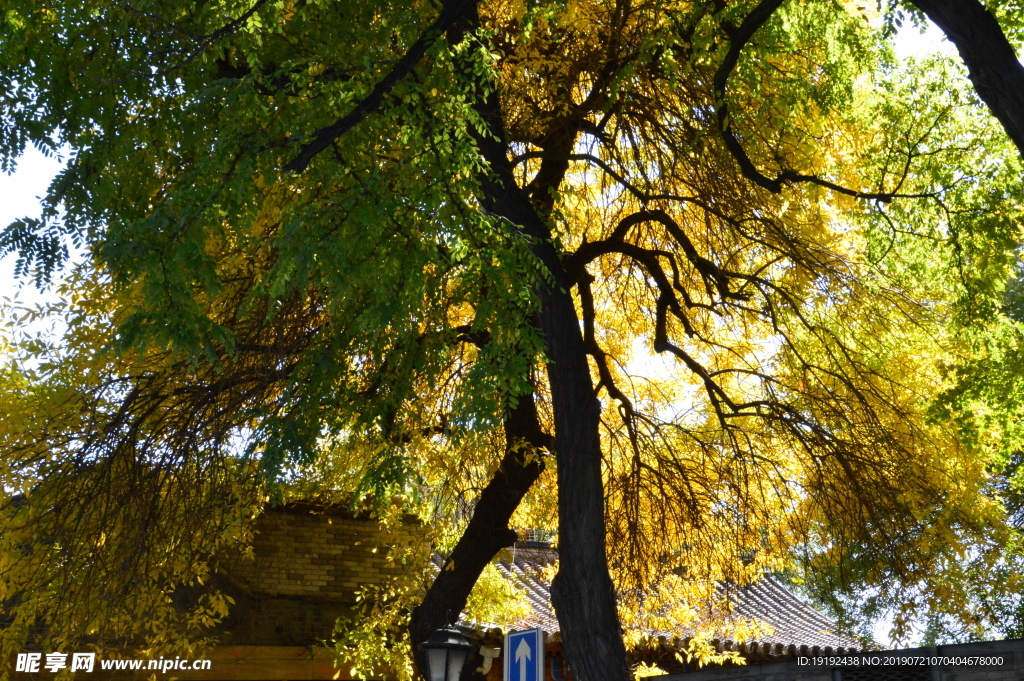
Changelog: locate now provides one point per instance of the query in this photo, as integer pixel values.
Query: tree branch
(203, 40)
(738, 39)
(713, 276)
(324, 137)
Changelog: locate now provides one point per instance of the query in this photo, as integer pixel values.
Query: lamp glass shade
(456, 660)
(446, 651)
(437, 664)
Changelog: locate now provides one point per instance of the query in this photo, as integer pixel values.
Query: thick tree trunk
(488, 531)
(997, 75)
(583, 594)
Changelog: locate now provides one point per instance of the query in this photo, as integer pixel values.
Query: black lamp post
(446, 651)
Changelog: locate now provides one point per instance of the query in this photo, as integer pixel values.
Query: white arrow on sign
(523, 654)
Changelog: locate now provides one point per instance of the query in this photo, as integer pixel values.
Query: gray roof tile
(793, 621)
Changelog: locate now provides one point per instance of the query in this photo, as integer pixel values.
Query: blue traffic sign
(524, 655)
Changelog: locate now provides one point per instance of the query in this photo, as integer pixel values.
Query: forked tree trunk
(583, 595)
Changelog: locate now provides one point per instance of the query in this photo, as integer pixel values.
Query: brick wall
(299, 553)
(306, 570)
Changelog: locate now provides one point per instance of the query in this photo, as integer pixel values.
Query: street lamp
(446, 651)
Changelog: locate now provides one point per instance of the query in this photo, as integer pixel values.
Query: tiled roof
(524, 570)
(793, 621)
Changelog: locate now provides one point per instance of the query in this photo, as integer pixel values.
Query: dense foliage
(734, 276)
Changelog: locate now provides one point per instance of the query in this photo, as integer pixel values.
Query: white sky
(911, 42)
(19, 197)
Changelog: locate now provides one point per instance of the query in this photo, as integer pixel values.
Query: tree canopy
(727, 271)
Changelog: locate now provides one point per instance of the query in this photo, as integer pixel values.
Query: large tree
(382, 229)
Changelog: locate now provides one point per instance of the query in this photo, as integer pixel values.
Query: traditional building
(796, 627)
(309, 564)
